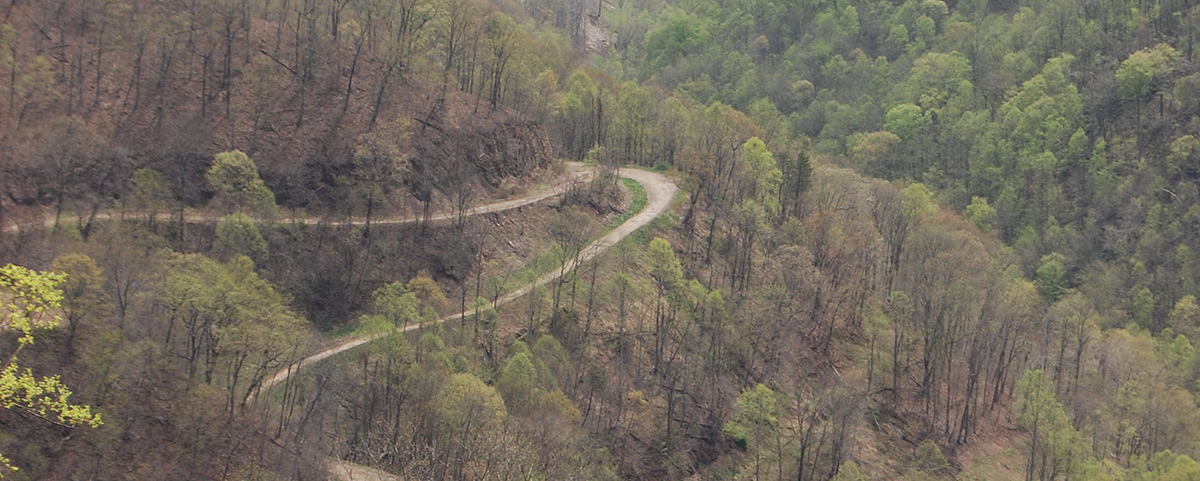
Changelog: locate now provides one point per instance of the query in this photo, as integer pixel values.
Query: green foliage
(238, 236)
(518, 383)
(1136, 73)
(235, 321)
(466, 404)
(83, 289)
(637, 202)
(906, 121)
(1055, 445)
(398, 304)
(754, 418)
(878, 152)
(681, 35)
(918, 202)
(235, 178)
(664, 266)
(1185, 316)
(1051, 276)
(1141, 307)
(928, 458)
(555, 361)
(28, 300)
(428, 291)
(762, 178)
(378, 168)
(849, 472)
(981, 214)
(151, 191)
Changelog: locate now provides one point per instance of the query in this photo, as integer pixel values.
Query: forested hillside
(913, 239)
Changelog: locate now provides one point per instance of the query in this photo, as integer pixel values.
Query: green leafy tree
(755, 424)
(929, 458)
(906, 121)
(849, 472)
(1135, 76)
(235, 327)
(668, 278)
(981, 214)
(83, 291)
(1141, 307)
(680, 36)
(918, 202)
(1137, 73)
(470, 414)
(238, 236)
(235, 178)
(151, 192)
(518, 383)
(398, 304)
(1185, 316)
(761, 177)
(878, 153)
(553, 358)
(379, 167)
(1051, 276)
(28, 300)
(1056, 449)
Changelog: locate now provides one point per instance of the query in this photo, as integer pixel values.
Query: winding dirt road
(576, 172)
(659, 191)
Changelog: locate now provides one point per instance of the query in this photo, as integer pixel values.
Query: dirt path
(576, 172)
(659, 191)
(347, 471)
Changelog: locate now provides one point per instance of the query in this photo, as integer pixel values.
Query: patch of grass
(349, 329)
(1002, 466)
(637, 204)
(542, 263)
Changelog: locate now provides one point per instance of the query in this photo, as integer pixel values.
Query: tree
(235, 327)
(571, 228)
(27, 300)
(238, 186)
(1051, 276)
(680, 36)
(502, 32)
(849, 472)
(755, 425)
(878, 153)
(469, 414)
(34, 85)
(399, 305)
(379, 167)
(761, 177)
(83, 291)
(1141, 308)
(151, 192)
(518, 382)
(981, 214)
(668, 276)
(238, 236)
(1055, 448)
(71, 151)
(1185, 316)
(929, 458)
(1137, 73)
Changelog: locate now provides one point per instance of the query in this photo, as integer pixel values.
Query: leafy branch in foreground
(27, 300)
